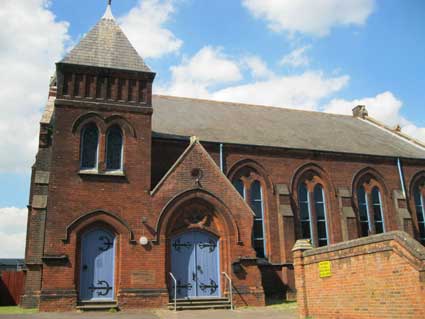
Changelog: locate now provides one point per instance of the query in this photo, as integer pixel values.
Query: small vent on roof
(360, 111)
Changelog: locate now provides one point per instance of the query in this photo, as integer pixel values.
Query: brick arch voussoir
(90, 117)
(251, 164)
(415, 181)
(99, 217)
(178, 201)
(361, 174)
(118, 120)
(300, 173)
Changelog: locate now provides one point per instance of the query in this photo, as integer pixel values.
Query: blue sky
(324, 55)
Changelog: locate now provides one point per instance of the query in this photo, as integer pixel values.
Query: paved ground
(251, 313)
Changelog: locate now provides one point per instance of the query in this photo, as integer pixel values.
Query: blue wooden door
(207, 266)
(97, 265)
(195, 264)
(183, 266)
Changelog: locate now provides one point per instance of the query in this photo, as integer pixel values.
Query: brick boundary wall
(381, 276)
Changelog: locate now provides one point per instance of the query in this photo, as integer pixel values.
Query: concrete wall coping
(413, 246)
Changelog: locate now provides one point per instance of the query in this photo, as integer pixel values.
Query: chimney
(360, 111)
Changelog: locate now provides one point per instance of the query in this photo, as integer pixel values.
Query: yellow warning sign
(325, 269)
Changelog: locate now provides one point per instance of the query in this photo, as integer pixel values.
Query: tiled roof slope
(223, 122)
(107, 46)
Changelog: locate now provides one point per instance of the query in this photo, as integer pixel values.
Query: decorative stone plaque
(143, 277)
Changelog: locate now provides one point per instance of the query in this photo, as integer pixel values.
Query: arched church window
(240, 187)
(256, 198)
(370, 208)
(312, 213)
(89, 146)
(420, 212)
(114, 149)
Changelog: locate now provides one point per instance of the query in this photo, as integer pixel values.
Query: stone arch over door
(224, 222)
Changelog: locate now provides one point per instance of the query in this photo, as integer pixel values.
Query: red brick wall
(71, 195)
(381, 276)
(281, 166)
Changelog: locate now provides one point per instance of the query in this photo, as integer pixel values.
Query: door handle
(85, 267)
(193, 276)
(199, 268)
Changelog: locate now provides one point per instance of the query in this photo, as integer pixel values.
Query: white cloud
(411, 129)
(31, 41)
(384, 107)
(316, 17)
(144, 26)
(296, 58)
(13, 223)
(207, 68)
(257, 67)
(303, 91)
(211, 74)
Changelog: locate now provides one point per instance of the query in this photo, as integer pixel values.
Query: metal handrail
(175, 291)
(230, 289)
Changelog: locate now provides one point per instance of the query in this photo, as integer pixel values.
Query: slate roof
(224, 122)
(107, 46)
(11, 261)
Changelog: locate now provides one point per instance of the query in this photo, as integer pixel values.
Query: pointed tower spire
(104, 66)
(108, 13)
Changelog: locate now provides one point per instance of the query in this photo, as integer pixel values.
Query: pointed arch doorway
(195, 264)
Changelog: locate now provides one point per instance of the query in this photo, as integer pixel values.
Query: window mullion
(370, 213)
(325, 216)
(421, 235)
(381, 210)
(313, 219)
(369, 220)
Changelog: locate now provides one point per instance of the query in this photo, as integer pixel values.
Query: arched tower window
(370, 206)
(257, 206)
(312, 212)
(114, 149)
(420, 211)
(89, 147)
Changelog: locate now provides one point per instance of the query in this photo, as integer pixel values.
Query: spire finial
(108, 13)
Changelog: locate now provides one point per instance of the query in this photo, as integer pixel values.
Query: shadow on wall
(274, 288)
(6, 297)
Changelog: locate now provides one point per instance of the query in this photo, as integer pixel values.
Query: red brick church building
(137, 199)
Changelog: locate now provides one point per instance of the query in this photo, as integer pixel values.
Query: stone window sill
(105, 173)
(114, 173)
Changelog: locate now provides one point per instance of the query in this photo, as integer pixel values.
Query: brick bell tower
(102, 82)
